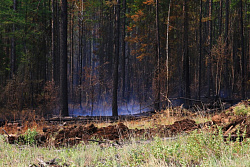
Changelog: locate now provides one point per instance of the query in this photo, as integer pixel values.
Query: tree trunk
(123, 63)
(80, 59)
(186, 54)
(200, 58)
(157, 71)
(116, 60)
(210, 83)
(220, 17)
(63, 60)
(13, 47)
(242, 51)
(55, 42)
(167, 52)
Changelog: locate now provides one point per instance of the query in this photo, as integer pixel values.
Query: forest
(114, 57)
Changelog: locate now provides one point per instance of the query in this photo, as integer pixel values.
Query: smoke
(102, 109)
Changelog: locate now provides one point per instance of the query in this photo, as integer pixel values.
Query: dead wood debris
(72, 134)
(50, 163)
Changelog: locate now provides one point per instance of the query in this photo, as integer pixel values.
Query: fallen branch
(42, 162)
(6, 132)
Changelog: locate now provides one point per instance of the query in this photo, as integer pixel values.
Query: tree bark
(220, 17)
(200, 58)
(157, 71)
(210, 83)
(116, 60)
(226, 51)
(63, 60)
(123, 63)
(186, 54)
(167, 51)
(13, 47)
(242, 51)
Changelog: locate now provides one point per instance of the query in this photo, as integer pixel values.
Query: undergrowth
(29, 137)
(242, 110)
(196, 149)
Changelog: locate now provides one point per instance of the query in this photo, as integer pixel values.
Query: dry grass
(164, 117)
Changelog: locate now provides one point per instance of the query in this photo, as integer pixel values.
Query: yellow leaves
(149, 2)
(111, 3)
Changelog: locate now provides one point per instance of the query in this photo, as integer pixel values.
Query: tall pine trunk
(116, 60)
(157, 71)
(13, 47)
(200, 58)
(123, 63)
(242, 51)
(209, 70)
(63, 60)
(186, 55)
(167, 51)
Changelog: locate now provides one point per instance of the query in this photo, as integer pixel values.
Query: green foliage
(197, 149)
(29, 137)
(242, 110)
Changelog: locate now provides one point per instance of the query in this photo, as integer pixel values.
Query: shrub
(29, 137)
(242, 110)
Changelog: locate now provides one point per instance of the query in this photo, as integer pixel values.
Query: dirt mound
(71, 135)
(75, 134)
(184, 125)
(235, 121)
(113, 132)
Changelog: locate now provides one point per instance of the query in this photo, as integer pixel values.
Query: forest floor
(231, 125)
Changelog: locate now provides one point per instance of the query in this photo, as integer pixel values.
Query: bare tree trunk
(13, 47)
(123, 63)
(210, 83)
(186, 54)
(220, 17)
(226, 52)
(200, 58)
(72, 54)
(80, 27)
(116, 60)
(157, 75)
(167, 51)
(56, 42)
(63, 60)
(242, 52)
(53, 38)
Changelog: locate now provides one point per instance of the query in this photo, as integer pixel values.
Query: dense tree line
(83, 54)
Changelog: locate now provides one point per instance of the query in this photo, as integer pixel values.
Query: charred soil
(233, 125)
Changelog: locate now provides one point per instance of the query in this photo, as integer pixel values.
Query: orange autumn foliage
(149, 2)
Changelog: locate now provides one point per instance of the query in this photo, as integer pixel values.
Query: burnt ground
(68, 134)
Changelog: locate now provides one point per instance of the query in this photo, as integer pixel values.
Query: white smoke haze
(130, 108)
